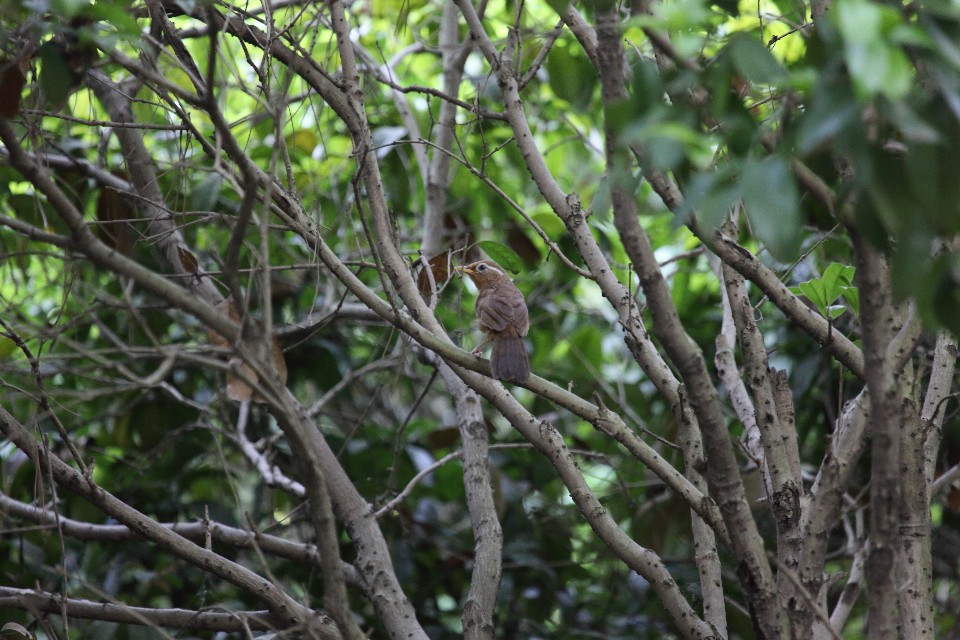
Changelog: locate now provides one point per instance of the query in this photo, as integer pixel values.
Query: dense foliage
(201, 201)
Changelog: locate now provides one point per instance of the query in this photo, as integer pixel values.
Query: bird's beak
(462, 270)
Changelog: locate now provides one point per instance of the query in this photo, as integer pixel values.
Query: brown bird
(502, 313)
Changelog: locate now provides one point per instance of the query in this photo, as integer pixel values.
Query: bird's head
(484, 273)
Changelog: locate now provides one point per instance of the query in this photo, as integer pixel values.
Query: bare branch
(281, 605)
(723, 474)
(38, 601)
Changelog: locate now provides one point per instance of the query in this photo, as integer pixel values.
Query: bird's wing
(521, 319)
(497, 313)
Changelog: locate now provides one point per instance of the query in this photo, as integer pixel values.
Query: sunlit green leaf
(571, 75)
(823, 292)
(876, 63)
(754, 61)
(7, 348)
(835, 278)
(834, 311)
(502, 255)
(301, 140)
(814, 292)
(116, 14)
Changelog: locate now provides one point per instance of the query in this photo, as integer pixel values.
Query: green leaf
(601, 204)
(834, 311)
(677, 15)
(836, 282)
(754, 61)
(206, 193)
(833, 113)
(835, 278)
(852, 296)
(7, 348)
(771, 200)
(844, 272)
(117, 14)
(69, 8)
(571, 75)
(913, 266)
(879, 69)
(502, 255)
(877, 65)
(710, 196)
(549, 222)
(814, 292)
(668, 142)
(304, 140)
(648, 90)
(56, 81)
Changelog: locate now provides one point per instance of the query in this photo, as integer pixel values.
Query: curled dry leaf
(113, 214)
(189, 262)
(14, 631)
(443, 438)
(439, 266)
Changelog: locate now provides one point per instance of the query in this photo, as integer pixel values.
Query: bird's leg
(478, 350)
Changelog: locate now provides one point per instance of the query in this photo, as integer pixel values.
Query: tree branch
(888, 407)
(281, 605)
(223, 621)
(723, 475)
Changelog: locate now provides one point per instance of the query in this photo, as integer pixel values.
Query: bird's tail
(508, 360)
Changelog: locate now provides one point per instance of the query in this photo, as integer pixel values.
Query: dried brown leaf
(238, 389)
(439, 268)
(113, 212)
(13, 75)
(188, 260)
(521, 244)
(443, 438)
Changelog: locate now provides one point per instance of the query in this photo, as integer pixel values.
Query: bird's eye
(482, 268)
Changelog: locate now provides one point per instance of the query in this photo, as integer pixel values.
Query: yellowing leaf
(7, 348)
(302, 140)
